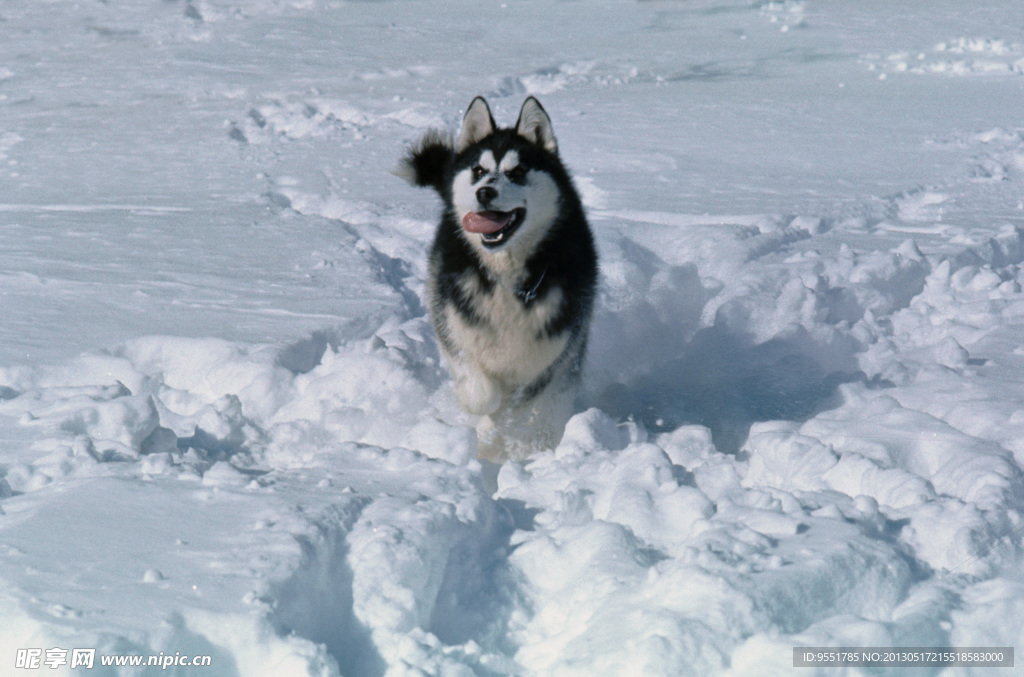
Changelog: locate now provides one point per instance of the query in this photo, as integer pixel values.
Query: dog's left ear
(534, 125)
(477, 124)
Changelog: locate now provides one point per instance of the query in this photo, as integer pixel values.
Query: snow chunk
(787, 461)
(949, 353)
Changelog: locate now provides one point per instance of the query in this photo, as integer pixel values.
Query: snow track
(225, 426)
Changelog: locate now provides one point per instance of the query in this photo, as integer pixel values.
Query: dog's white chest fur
(511, 344)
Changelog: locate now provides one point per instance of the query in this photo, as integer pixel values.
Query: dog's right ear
(426, 163)
(476, 125)
(534, 125)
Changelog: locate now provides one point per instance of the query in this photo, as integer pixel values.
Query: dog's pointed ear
(534, 125)
(476, 125)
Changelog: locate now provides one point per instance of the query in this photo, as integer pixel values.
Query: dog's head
(504, 191)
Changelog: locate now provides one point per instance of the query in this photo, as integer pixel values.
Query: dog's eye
(517, 174)
(478, 172)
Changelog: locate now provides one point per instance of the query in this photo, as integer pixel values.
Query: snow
(226, 429)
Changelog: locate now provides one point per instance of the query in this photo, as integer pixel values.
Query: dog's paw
(490, 442)
(478, 394)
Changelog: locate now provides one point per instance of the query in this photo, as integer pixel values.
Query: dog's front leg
(476, 391)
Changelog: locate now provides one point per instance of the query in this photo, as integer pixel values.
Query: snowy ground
(225, 430)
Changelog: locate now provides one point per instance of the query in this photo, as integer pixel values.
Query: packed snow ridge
(226, 429)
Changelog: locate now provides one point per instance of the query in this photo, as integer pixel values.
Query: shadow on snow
(652, 362)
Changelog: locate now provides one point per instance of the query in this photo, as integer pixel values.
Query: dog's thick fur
(512, 278)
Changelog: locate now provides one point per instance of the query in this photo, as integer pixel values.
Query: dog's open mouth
(494, 227)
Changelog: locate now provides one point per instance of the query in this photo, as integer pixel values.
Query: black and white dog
(513, 273)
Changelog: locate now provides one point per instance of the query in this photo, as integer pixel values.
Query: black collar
(528, 295)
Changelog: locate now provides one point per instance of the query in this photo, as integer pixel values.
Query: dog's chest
(508, 338)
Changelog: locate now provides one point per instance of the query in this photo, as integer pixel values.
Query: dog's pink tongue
(486, 222)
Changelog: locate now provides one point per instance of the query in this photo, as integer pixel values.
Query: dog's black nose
(485, 194)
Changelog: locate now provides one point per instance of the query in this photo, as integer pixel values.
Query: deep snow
(225, 428)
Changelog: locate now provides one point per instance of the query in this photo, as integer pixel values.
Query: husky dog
(512, 276)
